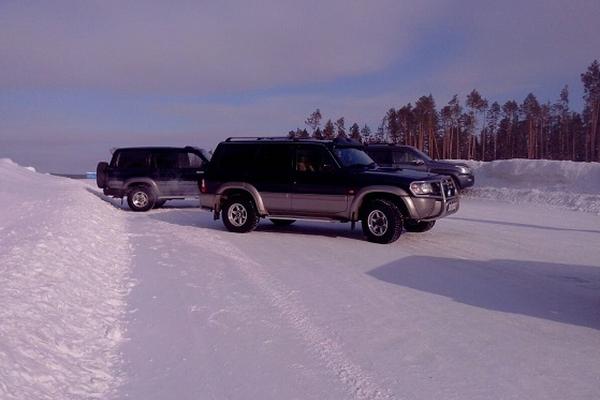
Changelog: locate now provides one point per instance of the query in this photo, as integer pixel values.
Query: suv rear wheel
(239, 215)
(382, 221)
(420, 226)
(140, 198)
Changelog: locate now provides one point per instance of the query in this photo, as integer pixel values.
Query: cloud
(202, 47)
(512, 45)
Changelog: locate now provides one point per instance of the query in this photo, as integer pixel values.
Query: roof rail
(234, 138)
(241, 138)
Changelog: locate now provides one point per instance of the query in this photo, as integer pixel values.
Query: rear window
(132, 159)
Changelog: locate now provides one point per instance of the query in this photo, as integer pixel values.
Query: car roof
(388, 146)
(275, 139)
(155, 148)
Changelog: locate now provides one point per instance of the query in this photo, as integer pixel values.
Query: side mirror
(418, 162)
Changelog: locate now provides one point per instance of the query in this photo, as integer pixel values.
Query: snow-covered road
(500, 301)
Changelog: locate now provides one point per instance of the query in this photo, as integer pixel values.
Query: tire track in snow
(358, 382)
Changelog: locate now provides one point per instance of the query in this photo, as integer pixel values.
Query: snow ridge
(564, 184)
(64, 261)
(358, 383)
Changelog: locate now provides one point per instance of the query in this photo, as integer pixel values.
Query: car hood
(398, 173)
(447, 164)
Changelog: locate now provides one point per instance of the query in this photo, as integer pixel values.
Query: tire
(239, 215)
(159, 203)
(420, 226)
(382, 221)
(102, 175)
(282, 222)
(140, 198)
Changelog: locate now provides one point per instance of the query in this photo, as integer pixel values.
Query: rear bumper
(114, 192)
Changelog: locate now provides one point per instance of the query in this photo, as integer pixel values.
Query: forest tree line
(480, 130)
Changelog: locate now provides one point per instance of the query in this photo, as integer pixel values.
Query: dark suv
(149, 176)
(408, 157)
(287, 179)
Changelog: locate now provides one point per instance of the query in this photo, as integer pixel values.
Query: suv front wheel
(239, 215)
(140, 198)
(382, 221)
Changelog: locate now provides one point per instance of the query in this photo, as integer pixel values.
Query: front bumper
(465, 180)
(429, 208)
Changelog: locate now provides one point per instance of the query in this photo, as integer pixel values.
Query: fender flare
(146, 181)
(393, 190)
(260, 206)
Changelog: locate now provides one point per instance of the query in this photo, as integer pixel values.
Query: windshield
(422, 155)
(351, 156)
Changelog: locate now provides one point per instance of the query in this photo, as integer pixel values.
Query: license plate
(452, 206)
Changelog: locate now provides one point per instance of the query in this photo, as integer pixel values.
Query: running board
(301, 218)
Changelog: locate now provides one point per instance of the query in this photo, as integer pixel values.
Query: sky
(79, 78)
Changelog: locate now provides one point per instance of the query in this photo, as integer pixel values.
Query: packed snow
(565, 184)
(64, 277)
(499, 301)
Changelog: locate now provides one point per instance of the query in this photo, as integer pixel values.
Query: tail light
(202, 186)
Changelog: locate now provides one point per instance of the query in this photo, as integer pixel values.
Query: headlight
(421, 188)
(464, 170)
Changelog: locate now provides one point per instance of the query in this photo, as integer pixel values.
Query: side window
(401, 157)
(313, 159)
(133, 159)
(381, 156)
(405, 156)
(236, 159)
(194, 160)
(273, 161)
(167, 159)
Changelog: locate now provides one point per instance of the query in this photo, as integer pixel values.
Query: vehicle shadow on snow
(550, 228)
(204, 219)
(557, 292)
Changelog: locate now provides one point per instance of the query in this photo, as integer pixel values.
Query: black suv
(408, 157)
(287, 179)
(149, 176)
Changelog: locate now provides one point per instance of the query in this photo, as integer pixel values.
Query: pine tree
(530, 109)
(314, 120)
(340, 128)
(426, 118)
(477, 106)
(406, 124)
(511, 120)
(318, 134)
(450, 118)
(365, 132)
(355, 132)
(392, 131)
(492, 123)
(328, 130)
(591, 113)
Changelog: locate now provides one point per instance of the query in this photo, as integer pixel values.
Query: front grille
(449, 188)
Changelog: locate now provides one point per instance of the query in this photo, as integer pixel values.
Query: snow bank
(64, 259)
(565, 184)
